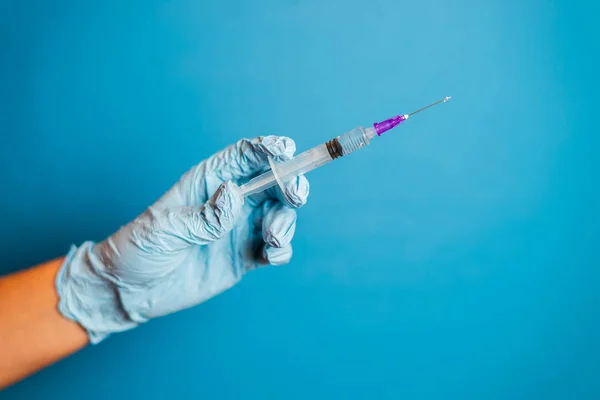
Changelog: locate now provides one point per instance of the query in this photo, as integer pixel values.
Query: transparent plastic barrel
(287, 170)
(305, 162)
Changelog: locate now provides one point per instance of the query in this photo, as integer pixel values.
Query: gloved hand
(195, 242)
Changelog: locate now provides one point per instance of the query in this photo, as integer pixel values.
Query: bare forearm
(33, 334)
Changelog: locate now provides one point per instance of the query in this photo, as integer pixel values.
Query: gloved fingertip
(279, 225)
(278, 255)
(279, 147)
(228, 196)
(227, 202)
(297, 191)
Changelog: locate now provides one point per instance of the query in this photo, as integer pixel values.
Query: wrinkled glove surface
(192, 244)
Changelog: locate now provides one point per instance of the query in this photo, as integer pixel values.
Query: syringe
(320, 155)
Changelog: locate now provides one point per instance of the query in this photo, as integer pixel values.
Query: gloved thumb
(213, 220)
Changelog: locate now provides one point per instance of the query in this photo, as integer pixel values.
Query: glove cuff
(89, 299)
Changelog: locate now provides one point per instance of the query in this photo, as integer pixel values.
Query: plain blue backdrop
(455, 258)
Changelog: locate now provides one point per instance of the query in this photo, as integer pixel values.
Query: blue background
(457, 257)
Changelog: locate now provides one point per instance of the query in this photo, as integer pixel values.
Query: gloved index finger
(249, 156)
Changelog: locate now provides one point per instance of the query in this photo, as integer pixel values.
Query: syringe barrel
(303, 163)
(310, 159)
(298, 165)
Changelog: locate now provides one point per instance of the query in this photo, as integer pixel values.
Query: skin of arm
(33, 333)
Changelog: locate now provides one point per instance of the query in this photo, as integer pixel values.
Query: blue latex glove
(187, 247)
